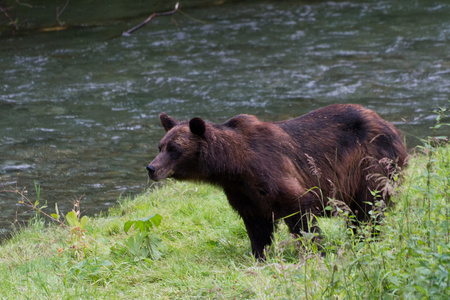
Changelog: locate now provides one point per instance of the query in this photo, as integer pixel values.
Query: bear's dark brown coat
(270, 170)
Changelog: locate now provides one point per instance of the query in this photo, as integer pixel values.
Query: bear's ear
(197, 126)
(167, 122)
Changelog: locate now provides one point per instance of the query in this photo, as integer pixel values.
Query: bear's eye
(174, 151)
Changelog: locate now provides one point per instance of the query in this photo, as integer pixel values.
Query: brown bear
(285, 170)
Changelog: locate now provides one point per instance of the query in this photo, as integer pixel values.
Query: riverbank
(92, 131)
(197, 247)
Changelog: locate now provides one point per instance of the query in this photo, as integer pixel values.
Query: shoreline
(199, 248)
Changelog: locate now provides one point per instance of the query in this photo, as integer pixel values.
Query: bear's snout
(151, 171)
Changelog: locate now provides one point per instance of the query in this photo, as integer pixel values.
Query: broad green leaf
(144, 224)
(155, 219)
(140, 225)
(153, 244)
(72, 219)
(128, 225)
(134, 245)
(84, 221)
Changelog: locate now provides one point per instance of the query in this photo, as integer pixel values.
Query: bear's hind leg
(302, 223)
(368, 210)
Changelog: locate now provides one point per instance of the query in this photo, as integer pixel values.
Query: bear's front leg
(259, 229)
(260, 232)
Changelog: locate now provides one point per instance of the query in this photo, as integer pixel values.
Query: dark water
(78, 110)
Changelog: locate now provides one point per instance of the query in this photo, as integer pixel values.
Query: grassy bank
(200, 249)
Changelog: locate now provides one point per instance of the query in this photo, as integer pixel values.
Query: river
(79, 107)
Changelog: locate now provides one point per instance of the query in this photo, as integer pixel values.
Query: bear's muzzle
(151, 171)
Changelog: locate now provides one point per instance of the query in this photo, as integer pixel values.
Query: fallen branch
(59, 11)
(12, 22)
(167, 13)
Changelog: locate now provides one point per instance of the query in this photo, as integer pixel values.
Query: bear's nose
(151, 170)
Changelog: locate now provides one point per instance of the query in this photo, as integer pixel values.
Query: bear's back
(346, 124)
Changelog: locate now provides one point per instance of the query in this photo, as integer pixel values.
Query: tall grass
(206, 251)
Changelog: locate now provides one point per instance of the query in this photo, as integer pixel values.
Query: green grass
(207, 251)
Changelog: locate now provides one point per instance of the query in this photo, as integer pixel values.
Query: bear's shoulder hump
(241, 121)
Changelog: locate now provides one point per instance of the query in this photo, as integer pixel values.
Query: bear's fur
(287, 169)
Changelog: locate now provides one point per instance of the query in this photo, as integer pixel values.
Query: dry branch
(167, 13)
(12, 22)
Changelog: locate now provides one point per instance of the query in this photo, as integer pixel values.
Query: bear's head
(179, 150)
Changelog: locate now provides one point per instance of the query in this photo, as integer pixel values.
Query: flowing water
(78, 108)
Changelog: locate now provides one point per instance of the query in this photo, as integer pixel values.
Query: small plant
(36, 205)
(144, 243)
(91, 269)
(80, 246)
(75, 222)
(442, 114)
